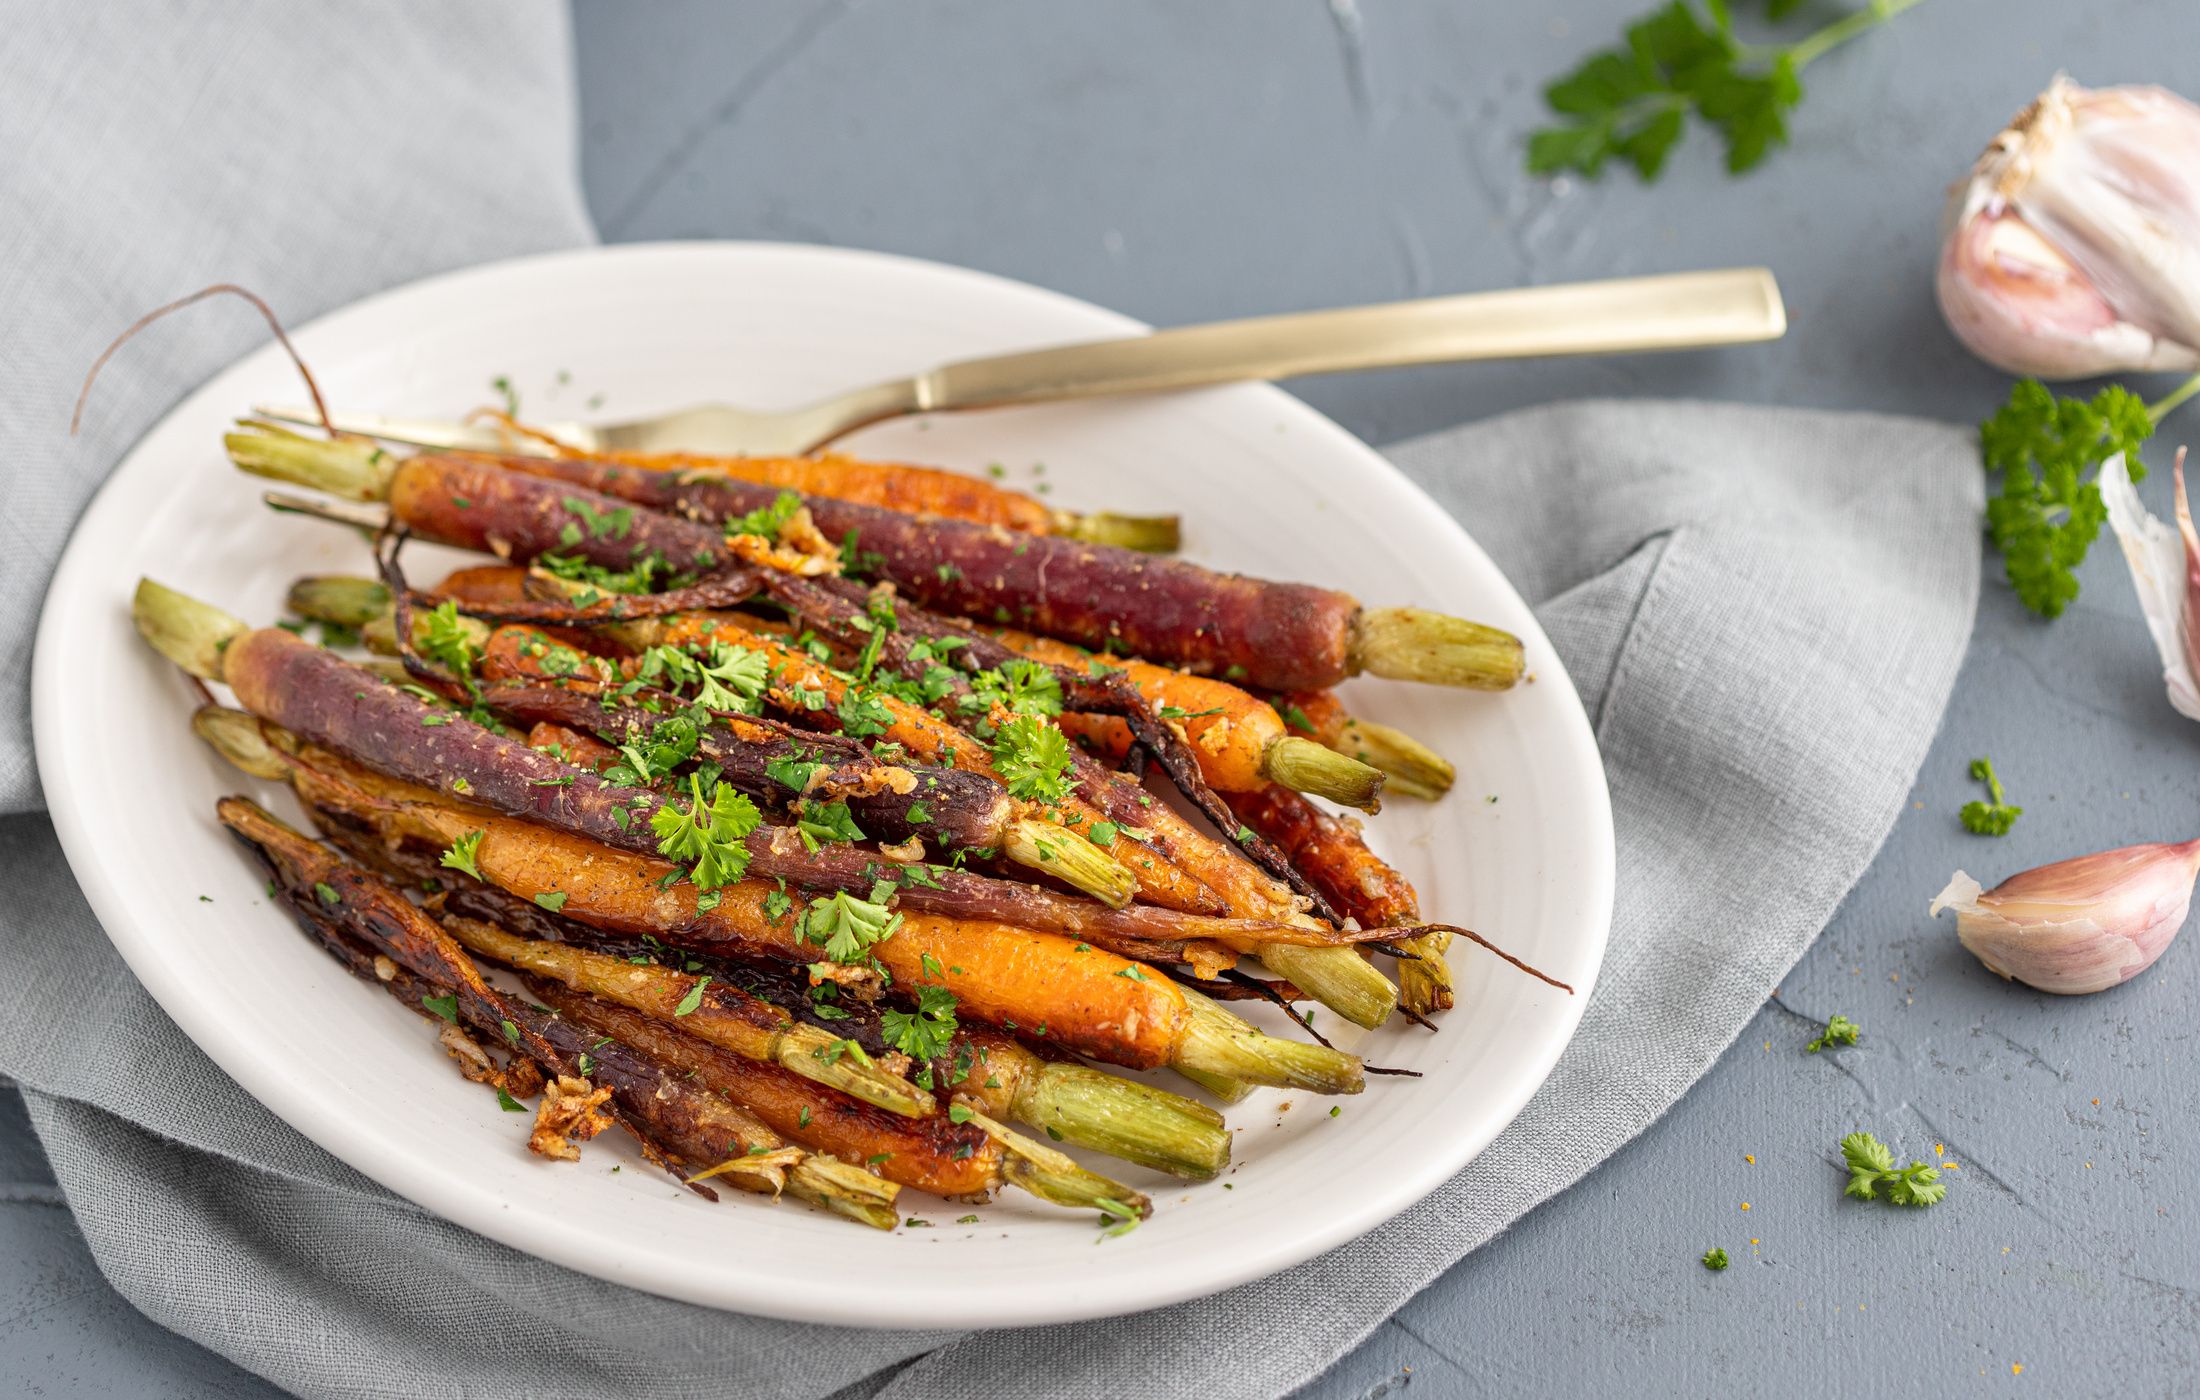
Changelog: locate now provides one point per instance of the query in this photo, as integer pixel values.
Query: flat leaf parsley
(1872, 1169)
(1631, 102)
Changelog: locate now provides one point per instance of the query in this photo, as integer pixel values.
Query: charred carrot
(1414, 769)
(917, 490)
(685, 1125)
(1272, 635)
(1279, 636)
(977, 1065)
(1239, 740)
(949, 1158)
(1334, 855)
(1090, 1000)
(317, 694)
(724, 1016)
(800, 684)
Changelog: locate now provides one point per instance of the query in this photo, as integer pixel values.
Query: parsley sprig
(846, 927)
(1871, 1169)
(1032, 757)
(2047, 450)
(1992, 816)
(707, 835)
(1631, 102)
(925, 1033)
(1840, 1030)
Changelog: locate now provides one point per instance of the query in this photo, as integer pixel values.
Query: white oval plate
(1522, 850)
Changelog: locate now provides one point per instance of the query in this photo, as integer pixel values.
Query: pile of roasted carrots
(826, 823)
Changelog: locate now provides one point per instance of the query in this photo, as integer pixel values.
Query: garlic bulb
(2074, 247)
(2078, 925)
(2165, 568)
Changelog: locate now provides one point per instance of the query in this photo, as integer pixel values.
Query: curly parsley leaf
(1020, 686)
(819, 822)
(1840, 1030)
(707, 834)
(1715, 1259)
(1032, 757)
(2049, 510)
(1992, 817)
(1630, 103)
(925, 1033)
(766, 521)
(846, 927)
(446, 638)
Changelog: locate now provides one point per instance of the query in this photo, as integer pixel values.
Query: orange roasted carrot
(928, 737)
(1087, 999)
(1239, 739)
(580, 750)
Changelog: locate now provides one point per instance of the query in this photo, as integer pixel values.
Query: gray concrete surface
(1184, 162)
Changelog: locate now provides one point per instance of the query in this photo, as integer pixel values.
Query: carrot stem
(1413, 644)
(1148, 534)
(353, 468)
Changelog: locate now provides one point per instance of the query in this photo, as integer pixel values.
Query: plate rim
(407, 1173)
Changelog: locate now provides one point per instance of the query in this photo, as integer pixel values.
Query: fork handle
(1673, 312)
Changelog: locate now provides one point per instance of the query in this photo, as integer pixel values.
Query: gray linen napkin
(1764, 611)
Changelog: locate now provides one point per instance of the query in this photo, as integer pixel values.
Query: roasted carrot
(796, 678)
(574, 747)
(985, 1068)
(1414, 769)
(1273, 635)
(303, 688)
(917, 490)
(930, 1154)
(971, 1158)
(1239, 740)
(1087, 999)
(725, 1016)
(1279, 636)
(685, 1125)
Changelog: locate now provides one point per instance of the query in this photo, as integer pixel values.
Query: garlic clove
(2165, 569)
(2079, 925)
(2074, 247)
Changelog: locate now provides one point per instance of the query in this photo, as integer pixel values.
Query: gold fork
(1673, 312)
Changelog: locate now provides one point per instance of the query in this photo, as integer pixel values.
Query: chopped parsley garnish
(327, 894)
(506, 1102)
(707, 837)
(863, 714)
(1033, 759)
(1839, 1031)
(792, 772)
(445, 1006)
(821, 822)
(1714, 1259)
(693, 999)
(846, 927)
(959, 1113)
(766, 521)
(602, 524)
(923, 1034)
(446, 639)
(461, 854)
(1871, 1169)
(1023, 687)
(1991, 817)
(1103, 834)
(552, 900)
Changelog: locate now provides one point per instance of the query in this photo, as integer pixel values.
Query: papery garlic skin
(2074, 247)
(2165, 569)
(2080, 925)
